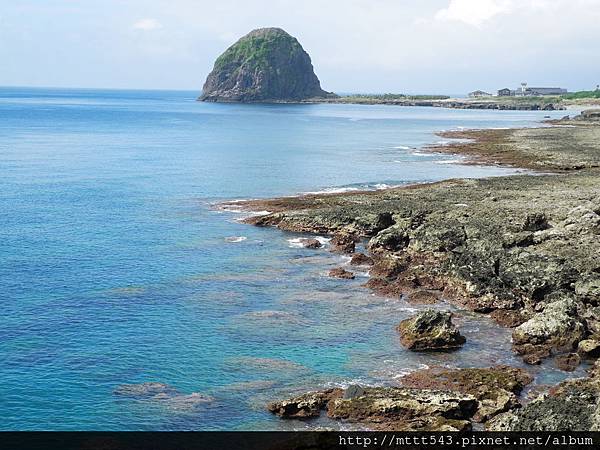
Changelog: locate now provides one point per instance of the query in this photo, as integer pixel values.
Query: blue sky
(425, 46)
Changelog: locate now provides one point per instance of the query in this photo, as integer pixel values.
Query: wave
(353, 188)
(234, 239)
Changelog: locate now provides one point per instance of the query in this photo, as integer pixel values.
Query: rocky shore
(497, 103)
(523, 249)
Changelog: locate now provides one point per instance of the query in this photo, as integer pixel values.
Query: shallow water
(115, 268)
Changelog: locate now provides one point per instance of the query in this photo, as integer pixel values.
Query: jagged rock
(573, 405)
(265, 65)
(496, 388)
(304, 406)
(343, 243)
(389, 404)
(360, 259)
(430, 330)
(556, 327)
(568, 362)
(310, 243)
(341, 273)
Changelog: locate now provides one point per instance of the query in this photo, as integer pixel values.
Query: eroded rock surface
(495, 388)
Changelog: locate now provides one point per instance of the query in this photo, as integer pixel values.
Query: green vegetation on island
(266, 65)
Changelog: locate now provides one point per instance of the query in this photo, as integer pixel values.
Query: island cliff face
(265, 65)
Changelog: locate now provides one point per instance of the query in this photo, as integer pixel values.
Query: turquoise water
(115, 268)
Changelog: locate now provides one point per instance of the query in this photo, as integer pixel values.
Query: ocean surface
(116, 268)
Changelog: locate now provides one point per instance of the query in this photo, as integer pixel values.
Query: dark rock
(341, 273)
(265, 65)
(304, 406)
(568, 362)
(310, 243)
(535, 222)
(495, 388)
(343, 243)
(430, 330)
(360, 259)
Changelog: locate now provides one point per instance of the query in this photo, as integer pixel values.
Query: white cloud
(473, 12)
(147, 24)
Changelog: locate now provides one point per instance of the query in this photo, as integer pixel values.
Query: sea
(118, 268)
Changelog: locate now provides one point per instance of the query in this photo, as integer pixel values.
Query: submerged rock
(430, 330)
(144, 390)
(265, 65)
(341, 273)
(495, 388)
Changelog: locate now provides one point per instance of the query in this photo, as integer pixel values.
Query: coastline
(514, 247)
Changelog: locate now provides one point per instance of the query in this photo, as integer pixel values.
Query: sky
(369, 46)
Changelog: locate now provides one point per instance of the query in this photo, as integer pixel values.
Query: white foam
(234, 239)
(402, 147)
(298, 242)
(449, 161)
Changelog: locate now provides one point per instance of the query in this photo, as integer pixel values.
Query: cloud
(147, 24)
(473, 12)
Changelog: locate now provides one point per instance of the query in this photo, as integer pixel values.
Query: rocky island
(266, 65)
(523, 249)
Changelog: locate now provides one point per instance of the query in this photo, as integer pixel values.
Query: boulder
(556, 327)
(310, 243)
(430, 330)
